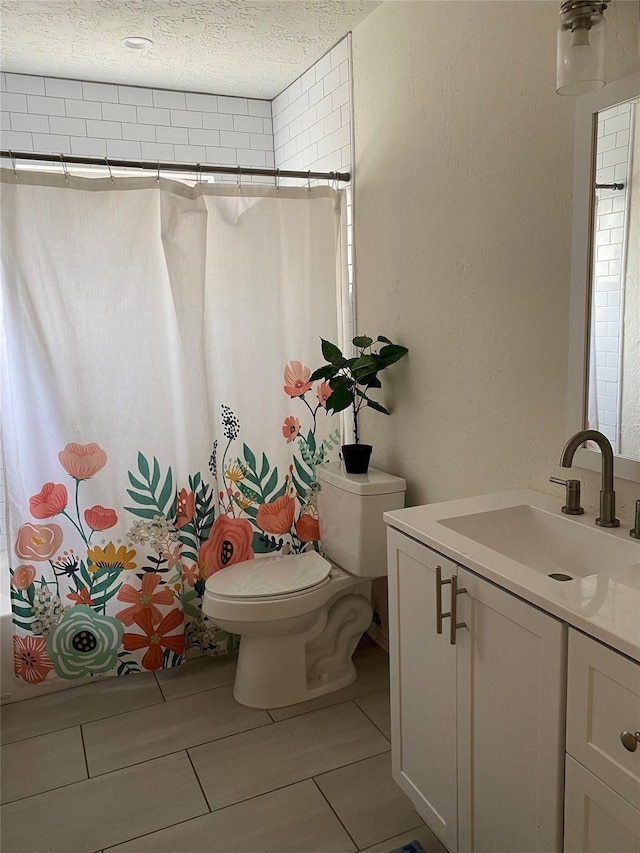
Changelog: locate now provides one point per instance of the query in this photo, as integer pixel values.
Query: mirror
(604, 363)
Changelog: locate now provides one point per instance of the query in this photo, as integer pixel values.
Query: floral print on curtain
(86, 605)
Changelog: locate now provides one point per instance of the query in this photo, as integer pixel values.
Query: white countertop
(605, 605)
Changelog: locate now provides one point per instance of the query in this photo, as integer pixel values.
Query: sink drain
(559, 576)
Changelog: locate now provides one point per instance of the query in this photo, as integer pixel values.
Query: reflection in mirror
(604, 377)
(613, 398)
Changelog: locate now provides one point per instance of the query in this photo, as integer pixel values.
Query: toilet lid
(270, 576)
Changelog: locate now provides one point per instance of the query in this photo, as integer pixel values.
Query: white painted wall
(463, 170)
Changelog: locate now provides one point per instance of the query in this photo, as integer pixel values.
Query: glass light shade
(581, 55)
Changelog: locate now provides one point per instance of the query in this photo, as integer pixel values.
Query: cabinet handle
(630, 740)
(455, 592)
(439, 614)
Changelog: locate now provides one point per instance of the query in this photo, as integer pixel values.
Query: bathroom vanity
(515, 670)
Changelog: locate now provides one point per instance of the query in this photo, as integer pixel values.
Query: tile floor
(170, 763)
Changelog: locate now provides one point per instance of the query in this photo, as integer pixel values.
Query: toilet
(300, 616)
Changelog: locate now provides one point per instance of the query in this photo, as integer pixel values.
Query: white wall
(463, 170)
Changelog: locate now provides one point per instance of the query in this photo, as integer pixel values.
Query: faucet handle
(572, 506)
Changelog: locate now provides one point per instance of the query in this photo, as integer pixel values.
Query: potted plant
(350, 380)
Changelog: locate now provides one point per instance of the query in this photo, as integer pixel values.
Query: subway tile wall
(50, 115)
(612, 163)
(312, 128)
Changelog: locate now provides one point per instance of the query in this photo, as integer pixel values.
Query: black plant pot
(356, 458)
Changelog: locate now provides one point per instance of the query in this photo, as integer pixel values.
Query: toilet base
(277, 671)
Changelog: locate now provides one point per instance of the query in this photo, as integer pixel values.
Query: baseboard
(380, 635)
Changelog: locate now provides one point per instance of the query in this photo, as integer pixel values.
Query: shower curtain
(158, 421)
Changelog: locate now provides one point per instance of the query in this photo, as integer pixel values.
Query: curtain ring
(158, 173)
(64, 169)
(309, 180)
(277, 180)
(13, 163)
(109, 168)
(239, 179)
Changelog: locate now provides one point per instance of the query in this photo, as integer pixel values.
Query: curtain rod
(197, 168)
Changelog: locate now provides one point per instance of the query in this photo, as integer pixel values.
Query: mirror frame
(587, 108)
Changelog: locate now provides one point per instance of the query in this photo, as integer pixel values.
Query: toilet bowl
(301, 616)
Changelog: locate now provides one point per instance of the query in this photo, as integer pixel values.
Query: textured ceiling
(235, 47)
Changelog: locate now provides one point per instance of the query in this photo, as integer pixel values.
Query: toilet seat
(273, 577)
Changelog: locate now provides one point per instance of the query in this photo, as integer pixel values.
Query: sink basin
(545, 542)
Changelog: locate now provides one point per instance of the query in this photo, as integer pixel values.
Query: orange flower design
(100, 518)
(155, 637)
(190, 573)
(82, 461)
(307, 528)
(38, 541)
(23, 577)
(324, 392)
(30, 659)
(229, 542)
(143, 599)
(51, 500)
(277, 516)
(81, 597)
(185, 508)
(296, 379)
(291, 428)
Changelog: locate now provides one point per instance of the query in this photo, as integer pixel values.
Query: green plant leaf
(373, 405)
(390, 354)
(362, 341)
(364, 364)
(370, 381)
(340, 399)
(331, 352)
(324, 372)
(383, 340)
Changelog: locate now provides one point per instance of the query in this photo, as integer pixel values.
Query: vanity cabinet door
(511, 702)
(423, 685)
(596, 818)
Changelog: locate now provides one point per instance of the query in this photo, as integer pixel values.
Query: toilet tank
(350, 508)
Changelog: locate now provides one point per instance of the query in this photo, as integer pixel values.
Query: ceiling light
(137, 42)
(581, 47)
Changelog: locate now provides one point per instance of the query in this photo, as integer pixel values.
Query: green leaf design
(311, 441)
(304, 475)
(166, 493)
(142, 513)
(146, 500)
(137, 484)
(143, 466)
(155, 477)
(24, 625)
(265, 467)
(271, 484)
(25, 612)
(250, 458)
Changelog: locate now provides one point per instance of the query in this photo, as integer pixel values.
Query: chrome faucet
(607, 495)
